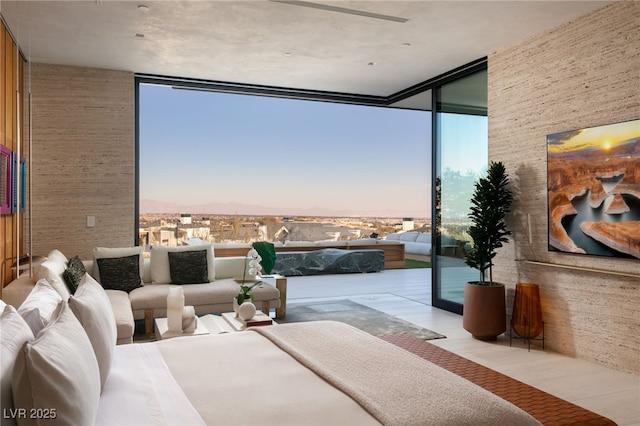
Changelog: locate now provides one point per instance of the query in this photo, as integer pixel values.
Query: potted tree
(484, 311)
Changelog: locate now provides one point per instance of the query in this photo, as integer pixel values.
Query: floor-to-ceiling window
(215, 166)
(461, 155)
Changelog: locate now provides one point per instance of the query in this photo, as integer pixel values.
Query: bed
(314, 373)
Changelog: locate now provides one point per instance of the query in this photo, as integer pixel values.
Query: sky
(604, 137)
(205, 147)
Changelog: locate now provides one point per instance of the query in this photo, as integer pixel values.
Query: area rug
(366, 319)
(546, 408)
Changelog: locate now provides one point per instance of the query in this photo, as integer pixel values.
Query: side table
(162, 329)
(206, 324)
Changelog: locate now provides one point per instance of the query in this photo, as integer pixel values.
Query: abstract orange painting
(593, 182)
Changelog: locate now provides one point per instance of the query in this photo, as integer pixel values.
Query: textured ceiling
(340, 46)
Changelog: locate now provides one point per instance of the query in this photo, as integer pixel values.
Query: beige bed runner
(396, 387)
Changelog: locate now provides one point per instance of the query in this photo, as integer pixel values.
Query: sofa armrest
(17, 290)
(229, 267)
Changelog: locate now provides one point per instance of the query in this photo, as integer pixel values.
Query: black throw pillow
(188, 267)
(74, 273)
(120, 273)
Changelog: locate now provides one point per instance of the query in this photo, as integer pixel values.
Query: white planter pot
(246, 311)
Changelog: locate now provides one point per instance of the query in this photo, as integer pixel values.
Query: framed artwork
(6, 180)
(593, 188)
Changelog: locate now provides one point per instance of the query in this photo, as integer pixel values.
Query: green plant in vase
(484, 313)
(490, 204)
(244, 296)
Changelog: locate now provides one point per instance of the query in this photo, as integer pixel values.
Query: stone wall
(83, 158)
(581, 74)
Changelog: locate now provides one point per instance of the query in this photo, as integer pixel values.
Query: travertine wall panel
(83, 157)
(584, 73)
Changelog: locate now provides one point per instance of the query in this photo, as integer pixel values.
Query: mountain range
(156, 206)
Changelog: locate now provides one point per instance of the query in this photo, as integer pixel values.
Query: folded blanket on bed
(396, 387)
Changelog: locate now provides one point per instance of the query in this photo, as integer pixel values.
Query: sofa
(148, 300)
(414, 242)
(419, 243)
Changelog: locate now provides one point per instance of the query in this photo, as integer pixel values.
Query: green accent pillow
(267, 252)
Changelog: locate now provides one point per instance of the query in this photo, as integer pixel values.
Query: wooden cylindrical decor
(526, 319)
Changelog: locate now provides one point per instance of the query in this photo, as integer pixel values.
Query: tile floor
(406, 293)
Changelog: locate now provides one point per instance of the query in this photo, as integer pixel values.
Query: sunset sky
(595, 137)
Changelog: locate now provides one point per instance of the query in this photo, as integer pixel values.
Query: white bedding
(140, 390)
(244, 379)
(249, 378)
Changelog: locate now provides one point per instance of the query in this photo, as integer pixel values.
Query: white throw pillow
(159, 262)
(58, 371)
(57, 256)
(39, 305)
(52, 270)
(14, 333)
(111, 253)
(91, 306)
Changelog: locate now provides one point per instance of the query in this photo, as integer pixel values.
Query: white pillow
(159, 262)
(408, 236)
(52, 270)
(91, 306)
(58, 370)
(39, 305)
(14, 333)
(110, 253)
(392, 237)
(424, 238)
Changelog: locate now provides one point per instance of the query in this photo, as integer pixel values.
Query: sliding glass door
(460, 156)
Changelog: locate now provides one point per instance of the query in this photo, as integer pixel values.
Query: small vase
(246, 311)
